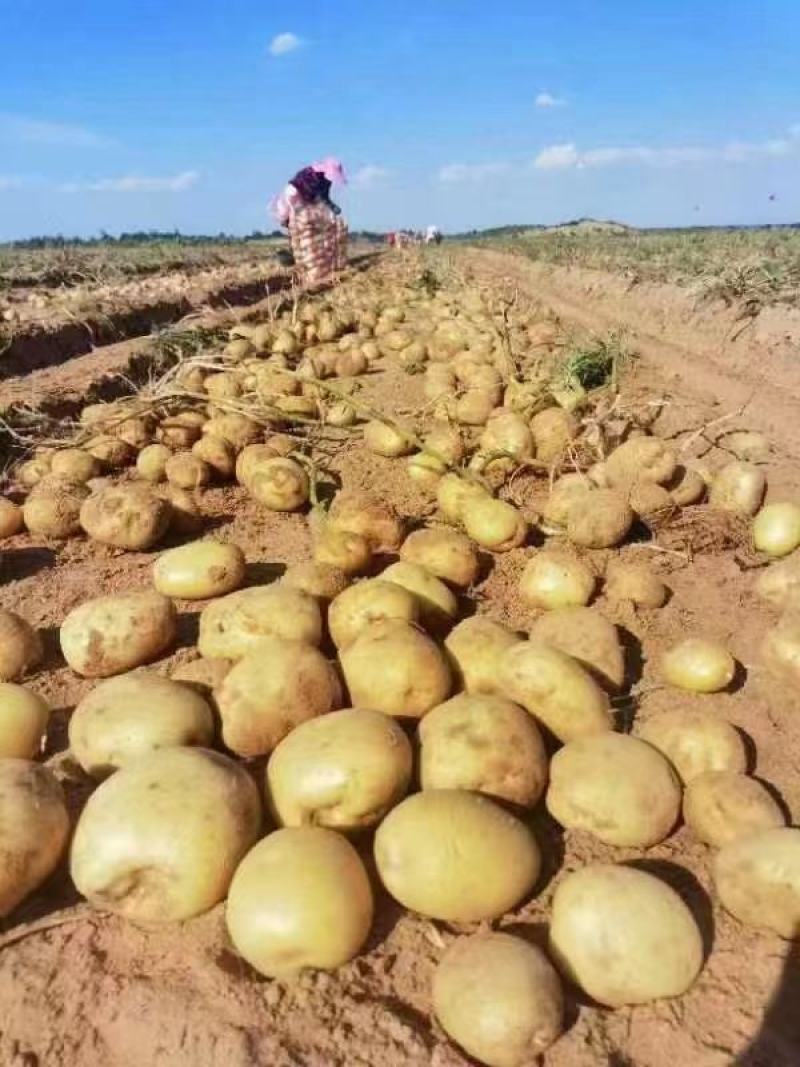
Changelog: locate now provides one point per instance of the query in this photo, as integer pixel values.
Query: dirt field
(80, 988)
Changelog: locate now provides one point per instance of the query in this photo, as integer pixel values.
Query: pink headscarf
(333, 170)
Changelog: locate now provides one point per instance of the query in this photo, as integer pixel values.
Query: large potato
(11, 518)
(588, 637)
(485, 744)
(455, 856)
(53, 508)
(301, 898)
(553, 429)
(438, 605)
(556, 580)
(151, 463)
(320, 580)
(779, 584)
(566, 491)
(640, 459)
(364, 603)
(776, 529)
(343, 770)
(695, 742)
(129, 716)
(758, 880)
(555, 688)
(373, 520)
(199, 570)
(159, 840)
(499, 998)
(347, 551)
(20, 646)
(272, 689)
(493, 524)
(635, 582)
(112, 634)
(452, 493)
(34, 827)
(127, 516)
(235, 624)
(507, 433)
(722, 806)
(75, 465)
(280, 484)
(392, 666)
(23, 722)
(601, 519)
(386, 440)
(698, 665)
(738, 487)
(615, 787)
(447, 554)
(624, 936)
(474, 649)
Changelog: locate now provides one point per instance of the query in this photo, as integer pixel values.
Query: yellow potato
(271, 690)
(776, 529)
(640, 459)
(738, 487)
(556, 580)
(425, 470)
(474, 406)
(280, 484)
(567, 490)
(616, 787)
(75, 465)
(218, 454)
(199, 570)
(125, 516)
(234, 625)
(112, 452)
(601, 520)
(238, 430)
(136, 431)
(386, 440)
(588, 637)
(301, 898)
(779, 584)
(54, 506)
(455, 856)
(394, 667)
(499, 998)
(347, 551)
(508, 433)
(373, 520)
(493, 524)
(32, 471)
(757, 880)
(112, 634)
(720, 807)
(438, 606)
(698, 665)
(623, 936)
(185, 517)
(159, 840)
(474, 649)
(203, 675)
(364, 603)
(185, 470)
(320, 580)
(129, 716)
(635, 582)
(11, 518)
(343, 770)
(553, 429)
(23, 722)
(686, 487)
(34, 827)
(151, 463)
(695, 742)
(485, 744)
(444, 553)
(452, 493)
(20, 646)
(780, 647)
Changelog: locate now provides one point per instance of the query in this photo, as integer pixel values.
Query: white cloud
(471, 172)
(548, 100)
(10, 181)
(40, 131)
(369, 176)
(557, 157)
(283, 43)
(567, 156)
(178, 183)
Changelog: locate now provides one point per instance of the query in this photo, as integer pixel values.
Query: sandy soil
(82, 989)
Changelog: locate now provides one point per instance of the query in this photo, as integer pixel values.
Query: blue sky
(153, 114)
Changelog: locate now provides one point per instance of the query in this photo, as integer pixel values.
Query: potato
(32, 471)
(445, 442)
(348, 552)
(392, 666)
(136, 431)
(112, 452)
(553, 429)
(508, 433)
(757, 880)
(23, 722)
(377, 522)
(556, 580)
(555, 688)
(455, 856)
(250, 459)
(686, 486)
(320, 580)
(199, 570)
(223, 386)
(615, 787)
(567, 490)
(738, 487)
(20, 646)
(698, 665)
(588, 637)
(444, 553)
(623, 936)
(236, 624)
(387, 440)
(271, 690)
(159, 840)
(185, 470)
(53, 507)
(779, 584)
(126, 516)
(438, 605)
(652, 503)
(474, 649)
(695, 742)
(185, 516)
(499, 998)
(151, 463)
(112, 634)
(132, 715)
(279, 484)
(367, 602)
(476, 404)
(203, 675)
(600, 521)
(452, 493)
(748, 445)
(301, 898)
(493, 524)
(425, 470)
(640, 459)
(216, 453)
(238, 430)
(720, 807)
(11, 518)
(75, 465)
(34, 827)
(776, 529)
(343, 770)
(485, 744)
(780, 647)
(636, 583)
(176, 434)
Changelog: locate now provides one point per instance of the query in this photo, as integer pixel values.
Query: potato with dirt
(600, 520)
(11, 518)
(445, 553)
(588, 637)
(387, 440)
(493, 524)
(695, 742)
(113, 634)
(129, 516)
(452, 493)
(349, 552)
(320, 580)
(234, 625)
(554, 579)
(159, 841)
(344, 770)
(279, 484)
(151, 463)
(567, 490)
(24, 717)
(779, 583)
(640, 459)
(634, 583)
(53, 508)
(378, 523)
(437, 604)
(474, 648)
(738, 487)
(21, 646)
(199, 570)
(757, 879)
(553, 431)
(720, 807)
(75, 465)
(698, 665)
(366, 602)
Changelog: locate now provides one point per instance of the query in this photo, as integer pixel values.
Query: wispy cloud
(283, 43)
(471, 172)
(568, 156)
(44, 132)
(370, 175)
(548, 100)
(11, 181)
(794, 131)
(177, 183)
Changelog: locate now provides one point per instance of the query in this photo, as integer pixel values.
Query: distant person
(317, 229)
(433, 235)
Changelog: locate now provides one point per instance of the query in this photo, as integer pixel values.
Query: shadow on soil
(777, 1043)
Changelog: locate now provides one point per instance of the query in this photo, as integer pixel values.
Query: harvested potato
(720, 807)
(556, 580)
(53, 508)
(779, 584)
(279, 484)
(738, 487)
(112, 452)
(386, 440)
(375, 521)
(776, 529)
(507, 433)
(474, 406)
(499, 998)
(185, 516)
(640, 459)
(32, 471)
(757, 880)
(567, 490)
(367, 602)
(177, 433)
(485, 744)
(553, 429)
(132, 715)
(250, 459)
(347, 551)
(112, 634)
(23, 722)
(159, 840)
(185, 470)
(199, 570)
(452, 493)
(474, 649)
(237, 429)
(615, 787)
(748, 445)
(650, 502)
(151, 463)
(20, 646)
(695, 742)
(445, 442)
(438, 606)
(136, 431)
(444, 553)
(780, 647)
(623, 936)
(425, 470)
(555, 688)
(11, 518)
(636, 583)
(203, 675)
(320, 580)
(698, 665)
(601, 520)
(343, 770)
(394, 667)
(34, 827)
(216, 453)
(75, 465)
(235, 624)
(686, 486)
(588, 637)
(126, 516)
(493, 524)
(301, 898)
(271, 690)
